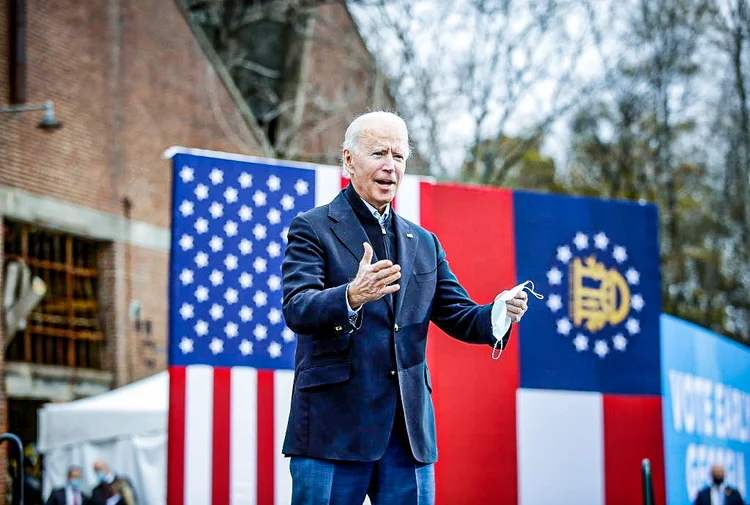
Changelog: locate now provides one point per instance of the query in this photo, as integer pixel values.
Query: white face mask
(502, 316)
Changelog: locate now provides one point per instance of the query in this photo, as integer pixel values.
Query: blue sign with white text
(706, 409)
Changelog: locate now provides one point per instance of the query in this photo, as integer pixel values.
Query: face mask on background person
(75, 484)
(100, 476)
(718, 480)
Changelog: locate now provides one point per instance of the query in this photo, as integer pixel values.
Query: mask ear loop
(537, 295)
(500, 341)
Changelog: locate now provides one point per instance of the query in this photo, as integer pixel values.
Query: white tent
(126, 426)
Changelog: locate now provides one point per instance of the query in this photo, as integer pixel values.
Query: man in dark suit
(71, 494)
(111, 489)
(361, 285)
(718, 493)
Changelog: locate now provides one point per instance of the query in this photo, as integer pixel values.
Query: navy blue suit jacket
(345, 386)
(58, 497)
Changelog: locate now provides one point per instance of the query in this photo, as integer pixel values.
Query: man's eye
(399, 157)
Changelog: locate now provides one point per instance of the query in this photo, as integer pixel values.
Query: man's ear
(348, 156)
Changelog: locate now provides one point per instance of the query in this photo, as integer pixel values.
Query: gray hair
(353, 131)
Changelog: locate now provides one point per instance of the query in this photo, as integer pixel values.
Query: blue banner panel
(597, 263)
(706, 409)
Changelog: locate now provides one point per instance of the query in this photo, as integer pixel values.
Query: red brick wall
(132, 354)
(150, 288)
(127, 83)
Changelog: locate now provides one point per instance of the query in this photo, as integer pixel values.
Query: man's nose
(390, 163)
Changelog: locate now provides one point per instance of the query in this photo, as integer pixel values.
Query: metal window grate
(64, 328)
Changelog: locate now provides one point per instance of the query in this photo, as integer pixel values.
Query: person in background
(718, 493)
(71, 494)
(32, 486)
(112, 489)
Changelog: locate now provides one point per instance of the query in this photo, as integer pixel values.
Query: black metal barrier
(18, 481)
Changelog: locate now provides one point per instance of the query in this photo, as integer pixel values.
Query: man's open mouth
(385, 183)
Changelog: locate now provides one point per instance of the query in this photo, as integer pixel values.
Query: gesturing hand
(372, 280)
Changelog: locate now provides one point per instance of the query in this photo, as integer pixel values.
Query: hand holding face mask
(509, 307)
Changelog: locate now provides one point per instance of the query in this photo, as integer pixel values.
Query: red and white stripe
(225, 445)
(584, 447)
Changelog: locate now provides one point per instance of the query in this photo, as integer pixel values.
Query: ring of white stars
(583, 244)
(230, 203)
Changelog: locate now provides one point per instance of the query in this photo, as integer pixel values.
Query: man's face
(717, 472)
(379, 161)
(74, 474)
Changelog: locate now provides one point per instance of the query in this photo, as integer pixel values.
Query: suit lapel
(347, 227)
(408, 242)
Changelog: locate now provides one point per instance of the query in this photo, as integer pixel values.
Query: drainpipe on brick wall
(116, 172)
(127, 207)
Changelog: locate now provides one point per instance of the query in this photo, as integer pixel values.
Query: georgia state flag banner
(589, 398)
(573, 406)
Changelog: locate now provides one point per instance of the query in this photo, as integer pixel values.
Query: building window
(64, 328)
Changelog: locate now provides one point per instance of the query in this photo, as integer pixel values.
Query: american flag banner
(230, 354)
